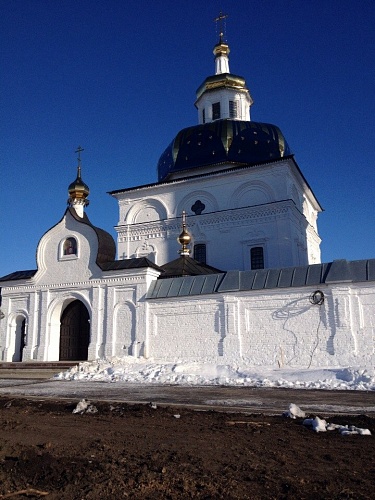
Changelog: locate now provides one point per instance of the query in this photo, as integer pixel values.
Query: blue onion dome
(222, 141)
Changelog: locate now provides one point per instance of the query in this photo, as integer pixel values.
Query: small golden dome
(78, 189)
(184, 238)
(221, 49)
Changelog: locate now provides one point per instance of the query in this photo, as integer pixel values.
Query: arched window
(233, 109)
(198, 207)
(70, 246)
(216, 114)
(257, 258)
(200, 253)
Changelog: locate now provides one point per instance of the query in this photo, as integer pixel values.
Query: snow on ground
(321, 425)
(182, 372)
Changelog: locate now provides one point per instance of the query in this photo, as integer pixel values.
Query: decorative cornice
(228, 168)
(107, 281)
(220, 219)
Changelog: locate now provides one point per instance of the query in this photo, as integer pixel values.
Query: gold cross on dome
(79, 151)
(221, 20)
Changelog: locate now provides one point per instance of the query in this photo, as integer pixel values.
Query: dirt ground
(135, 451)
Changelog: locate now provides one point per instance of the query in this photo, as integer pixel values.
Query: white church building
(219, 259)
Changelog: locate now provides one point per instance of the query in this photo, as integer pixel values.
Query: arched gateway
(74, 332)
(19, 335)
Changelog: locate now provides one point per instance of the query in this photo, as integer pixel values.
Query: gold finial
(78, 190)
(222, 25)
(184, 239)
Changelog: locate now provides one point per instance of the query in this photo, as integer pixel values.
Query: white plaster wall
(274, 328)
(53, 267)
(116, 309)
(278, 327)
(228, 236)
(271, 200)
(192, 329)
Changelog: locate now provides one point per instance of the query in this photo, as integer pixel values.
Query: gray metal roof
(19, 275)
(338, 271)
(106, 244)
(187, 285)
(186, 266)
(136, 263)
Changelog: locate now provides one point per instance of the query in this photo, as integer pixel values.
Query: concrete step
(30, 365)
(34, 369)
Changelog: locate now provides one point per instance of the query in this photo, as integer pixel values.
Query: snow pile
(320, 425)
(183, 372)
(294, 412)
(85, 407)
(317, 424)
(347, 430)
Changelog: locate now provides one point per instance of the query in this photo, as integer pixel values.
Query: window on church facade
(257, 258)
(198, 207)
(233, 109)
(200, 253)
(203, 116)
(216, 111)
(70, 246)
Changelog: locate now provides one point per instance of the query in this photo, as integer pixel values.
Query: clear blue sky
(119, 78)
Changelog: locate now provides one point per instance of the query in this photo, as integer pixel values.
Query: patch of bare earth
(134, 451)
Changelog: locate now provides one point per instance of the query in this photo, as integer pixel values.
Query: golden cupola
(184, 238)
(78, 190)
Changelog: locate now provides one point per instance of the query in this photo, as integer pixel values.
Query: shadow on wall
(305, 340)
(220, 329)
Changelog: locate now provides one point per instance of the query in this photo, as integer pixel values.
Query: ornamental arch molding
(17, 337)
(54, 313)
(148, 210)
(124, 329)
(206, 198)
(19, 312)
(68, 247)
(251, 194)
(43, 249)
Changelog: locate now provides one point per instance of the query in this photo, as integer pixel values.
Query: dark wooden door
(74, 332)
(23, 338)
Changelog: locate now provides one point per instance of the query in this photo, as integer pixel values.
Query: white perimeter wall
(275, 328)
(278, 327)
